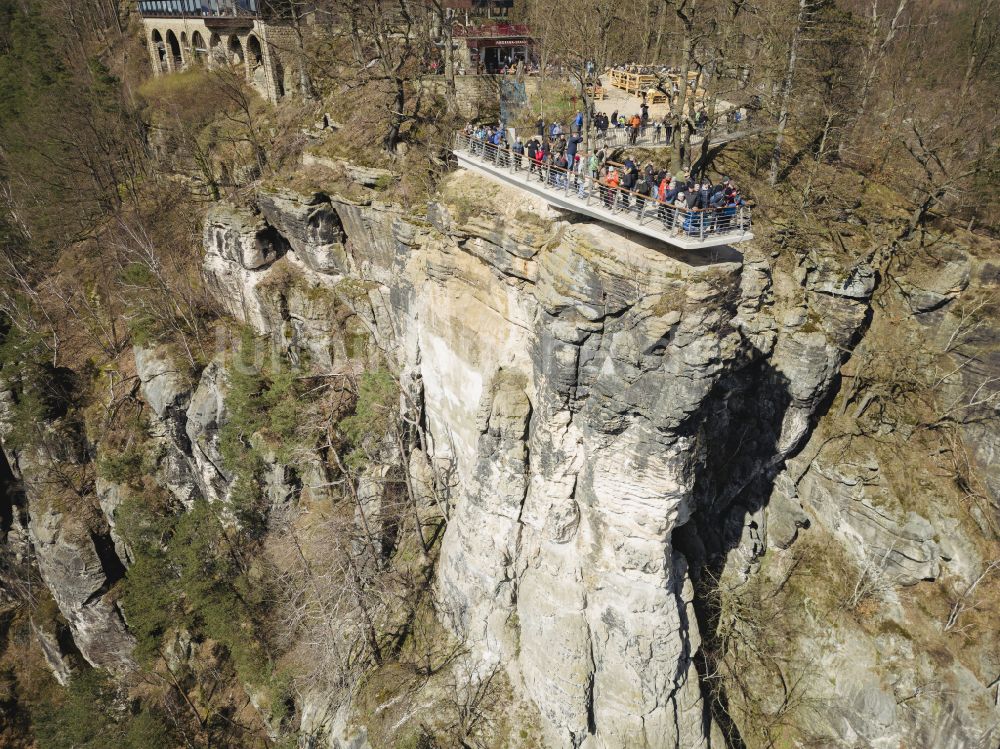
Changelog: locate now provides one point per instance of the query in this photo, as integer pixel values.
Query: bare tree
(784, 97)
(387, 49)
(966, 600)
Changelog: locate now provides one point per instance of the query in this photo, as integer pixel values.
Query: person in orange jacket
(613, 180)
(635, 123)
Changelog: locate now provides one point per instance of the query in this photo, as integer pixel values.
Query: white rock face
(562, 369)
(592, 394)
(79, 560)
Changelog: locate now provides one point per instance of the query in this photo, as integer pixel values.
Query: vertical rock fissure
(8, 497)
(705, 661)
(590, 697)
(114, 569)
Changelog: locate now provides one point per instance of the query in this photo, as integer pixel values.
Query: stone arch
(176, 57)
(198, 48)
(159, 50)
(216, 50)
(235, 49)
(255, 56)
(255, 51)
(279, 79)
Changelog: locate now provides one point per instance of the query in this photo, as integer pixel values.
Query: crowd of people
(639, 124)
(682, 203)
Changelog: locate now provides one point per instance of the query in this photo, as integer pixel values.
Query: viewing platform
(689, 229)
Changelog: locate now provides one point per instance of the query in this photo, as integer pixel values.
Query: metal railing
(726, 224)
(491, 30)
(648, 136)
(198, 8)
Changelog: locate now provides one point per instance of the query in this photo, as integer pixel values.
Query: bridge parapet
(199, 8)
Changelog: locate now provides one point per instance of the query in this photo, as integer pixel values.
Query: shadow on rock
(742, 428)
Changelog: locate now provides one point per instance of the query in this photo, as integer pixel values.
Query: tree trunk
(873, 56)
(706, 137)
(786, 91)
(647, 36)
(977, 46)
(658, 49)
(305, 82)
(827, 123)
(371, 634)
(398, 106)
(451, 93)
(543, 64)
(677, 114)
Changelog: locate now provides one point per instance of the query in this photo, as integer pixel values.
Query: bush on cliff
(91, 714)
(195, 581)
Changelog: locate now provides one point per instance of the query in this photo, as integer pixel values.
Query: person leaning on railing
(540, 161)
(609, 187)
(680, 212)
(531, 149)
(518, 150)
(594, 164)
(643, 190)
(561, 167)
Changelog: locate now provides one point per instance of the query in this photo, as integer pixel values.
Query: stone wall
(478, 95)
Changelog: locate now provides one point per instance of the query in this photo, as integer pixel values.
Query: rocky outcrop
(621, 424)
(563, 369)
(57, 661)
(47, 521)
(618, 419)
(857, 504)
(78, 568)
(312, 227)
(110, 497)
(206, 413)
(187, 418)
(933, 287)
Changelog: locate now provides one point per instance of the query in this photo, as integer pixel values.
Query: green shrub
(41, 392)
(268, 419)
(192, 581)
(75, 721)
(376, 408)
(122, 468)
(87, 716)
(271, 402)
(127, 453)
(147, 731)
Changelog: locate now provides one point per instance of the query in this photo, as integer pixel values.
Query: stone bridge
(264, 50)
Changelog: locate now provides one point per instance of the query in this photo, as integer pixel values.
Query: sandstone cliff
(615, 413)
(631, 433)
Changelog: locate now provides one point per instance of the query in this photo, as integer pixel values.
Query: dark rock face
(312, 228)
(242, 238)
